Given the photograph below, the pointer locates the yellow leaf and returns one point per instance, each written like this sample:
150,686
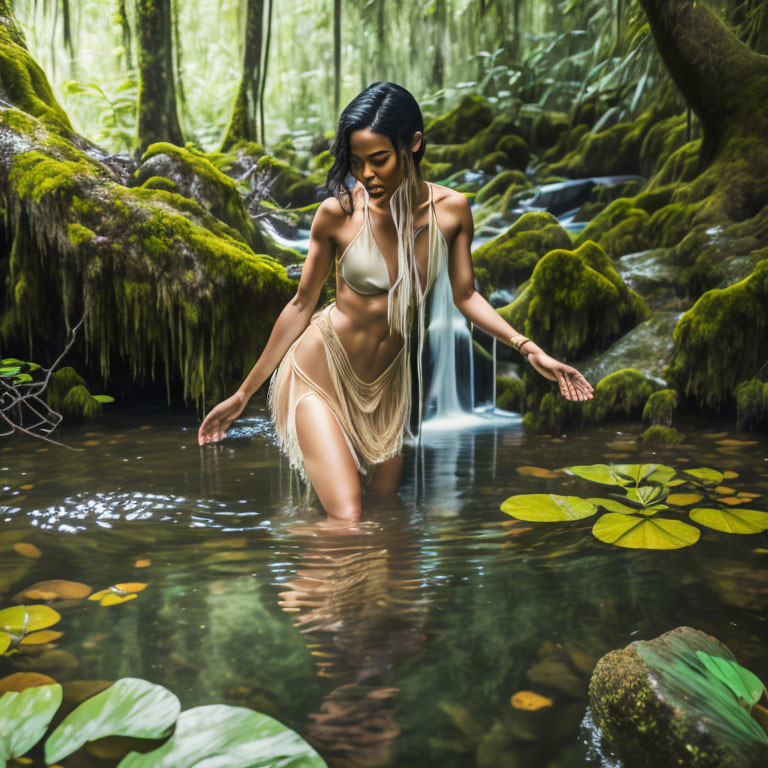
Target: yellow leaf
732,500
530,700
27,550
736,442
131,587
20,681
100,594
729,474
143,563
537,472
724,489
39,638
682,499
27,487
61,588
113,599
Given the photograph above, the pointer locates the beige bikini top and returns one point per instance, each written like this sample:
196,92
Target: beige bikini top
362,265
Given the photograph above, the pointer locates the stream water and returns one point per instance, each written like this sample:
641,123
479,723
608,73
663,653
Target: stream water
398,645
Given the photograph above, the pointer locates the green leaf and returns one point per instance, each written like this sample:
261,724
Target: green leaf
24,716
23,619
731,520
221,736
547,507
597,473
104,398
747,687
614,506
22,377
639,472
5,641
9,370
11,361
130,707
647,494
707,476
644,532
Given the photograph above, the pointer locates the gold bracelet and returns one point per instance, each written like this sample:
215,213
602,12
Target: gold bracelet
518,341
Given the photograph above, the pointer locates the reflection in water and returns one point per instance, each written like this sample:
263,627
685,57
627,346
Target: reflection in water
359,603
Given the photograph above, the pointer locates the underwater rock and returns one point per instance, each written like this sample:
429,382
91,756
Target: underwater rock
470,115
67,393
658,705
511,257
722,340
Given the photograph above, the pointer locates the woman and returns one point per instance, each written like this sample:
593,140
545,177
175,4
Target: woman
341,396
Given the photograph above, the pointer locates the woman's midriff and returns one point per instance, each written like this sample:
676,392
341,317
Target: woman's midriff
360,322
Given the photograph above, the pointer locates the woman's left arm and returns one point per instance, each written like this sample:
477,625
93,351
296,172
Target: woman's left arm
573,386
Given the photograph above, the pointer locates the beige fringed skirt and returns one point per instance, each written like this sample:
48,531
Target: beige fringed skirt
373,416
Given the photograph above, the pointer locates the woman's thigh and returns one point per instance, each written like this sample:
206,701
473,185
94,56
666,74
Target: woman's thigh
327,459
386,476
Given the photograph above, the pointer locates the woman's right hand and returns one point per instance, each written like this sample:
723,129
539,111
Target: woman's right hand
220,417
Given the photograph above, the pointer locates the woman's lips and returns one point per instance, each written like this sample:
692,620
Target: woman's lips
375,189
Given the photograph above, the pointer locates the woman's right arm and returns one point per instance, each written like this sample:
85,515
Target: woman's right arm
290,324
297,313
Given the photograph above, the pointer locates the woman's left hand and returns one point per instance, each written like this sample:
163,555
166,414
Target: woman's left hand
573,386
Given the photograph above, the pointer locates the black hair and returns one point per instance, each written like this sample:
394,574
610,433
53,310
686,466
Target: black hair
383,107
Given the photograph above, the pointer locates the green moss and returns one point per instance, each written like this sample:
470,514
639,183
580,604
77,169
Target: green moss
492,162
660,406
516,150
470,115
434,171
160,182
511,257
509,393
77,234
722,340
322,162
752,404
80,405
661,434
60,383
500,183
620,394
288,185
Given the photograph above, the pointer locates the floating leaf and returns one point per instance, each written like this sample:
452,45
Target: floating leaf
104,398
597,473
5,642
112,599
547,507
732,443
119,593
730,474
707,476
725,490
732,501
26,549
537,472
40,638
530,700
130,707
234,737
144,562
613,506
25,716
746,686
20,681
684,499
646,494
23,619
731,520
644,533
131,587
57,588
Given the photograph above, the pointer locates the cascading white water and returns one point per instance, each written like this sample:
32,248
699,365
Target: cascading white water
450,399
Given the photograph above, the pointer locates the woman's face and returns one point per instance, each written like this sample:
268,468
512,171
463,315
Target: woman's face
374,162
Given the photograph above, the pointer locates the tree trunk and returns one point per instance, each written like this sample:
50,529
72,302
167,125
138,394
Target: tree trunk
263,85
336,56
723,81
158,120
125,28
243,125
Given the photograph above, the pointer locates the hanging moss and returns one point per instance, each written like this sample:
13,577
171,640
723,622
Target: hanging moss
287,185
78,234
660,406
620,394
722,340
61,381
80,405
661,434
511,257
470,115
752,404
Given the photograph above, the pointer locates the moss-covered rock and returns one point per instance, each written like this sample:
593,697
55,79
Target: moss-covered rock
60,383
493,162
656,706
660,407
322,163
80,405
620,394
511,257
509,393
657,433
577,303
722,340
500,183
752,404
470,115
541,128
516,150
287,185
161,182
434,171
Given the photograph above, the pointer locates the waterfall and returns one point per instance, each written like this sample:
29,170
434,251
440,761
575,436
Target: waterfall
449,401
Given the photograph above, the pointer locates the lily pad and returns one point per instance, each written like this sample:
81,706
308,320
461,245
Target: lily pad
612,505
647,494
53,590
598,473
20,681
130,707
644,532
684,499
706,475
547,507
731,520
23,619
221,736
25,716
